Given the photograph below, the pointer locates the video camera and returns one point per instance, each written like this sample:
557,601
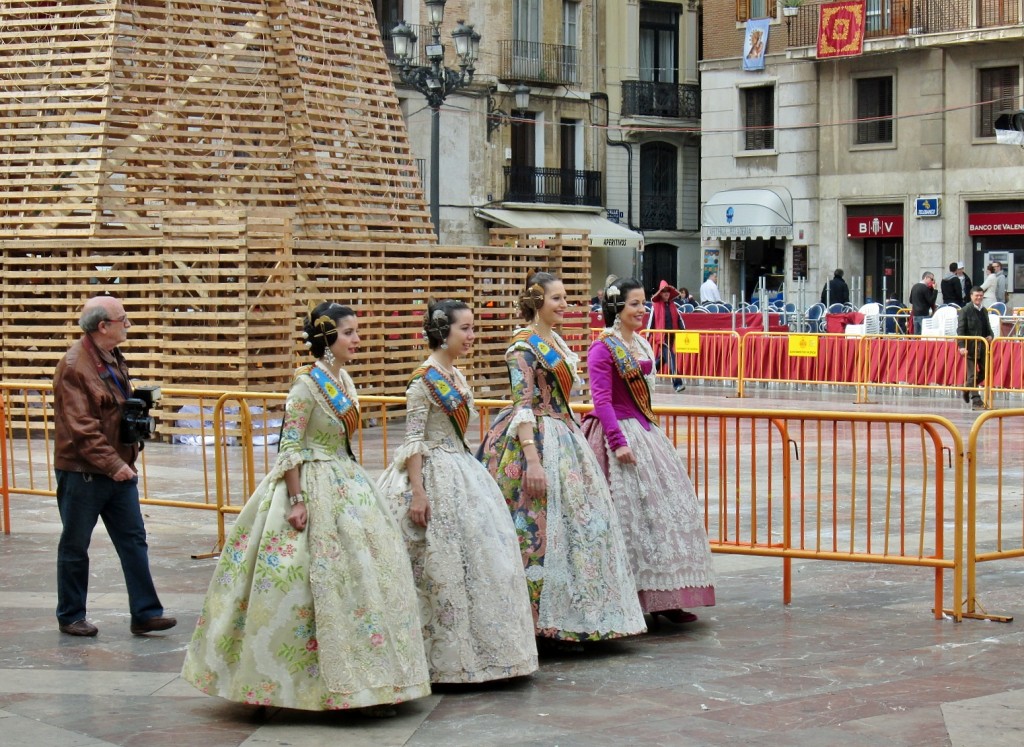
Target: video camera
136,422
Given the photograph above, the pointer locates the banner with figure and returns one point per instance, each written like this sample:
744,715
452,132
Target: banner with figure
841,29
755,43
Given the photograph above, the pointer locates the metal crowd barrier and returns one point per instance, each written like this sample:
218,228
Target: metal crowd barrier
995,511
862,362
835,486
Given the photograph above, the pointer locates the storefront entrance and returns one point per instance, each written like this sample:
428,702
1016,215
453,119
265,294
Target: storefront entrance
883,270
762,258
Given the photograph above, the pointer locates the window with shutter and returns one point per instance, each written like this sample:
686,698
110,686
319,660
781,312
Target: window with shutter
759,118
998,89
874,103
747,9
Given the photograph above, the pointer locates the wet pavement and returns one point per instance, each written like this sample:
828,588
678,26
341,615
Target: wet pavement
857,658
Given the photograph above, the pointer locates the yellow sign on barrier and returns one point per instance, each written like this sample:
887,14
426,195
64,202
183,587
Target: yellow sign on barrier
803,346
687,342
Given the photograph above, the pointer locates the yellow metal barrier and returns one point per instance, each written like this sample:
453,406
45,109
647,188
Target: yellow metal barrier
833,486
790,484
5,495
993,501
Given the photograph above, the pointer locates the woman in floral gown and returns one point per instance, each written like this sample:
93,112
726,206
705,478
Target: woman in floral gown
312,605
658,509
577,568
474,607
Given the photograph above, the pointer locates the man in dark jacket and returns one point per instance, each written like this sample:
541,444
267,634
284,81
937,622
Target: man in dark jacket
973,321
956,286
96,475
836,291
922,300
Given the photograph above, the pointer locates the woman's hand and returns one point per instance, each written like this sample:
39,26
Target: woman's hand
297,516
419,509
535,482
625,455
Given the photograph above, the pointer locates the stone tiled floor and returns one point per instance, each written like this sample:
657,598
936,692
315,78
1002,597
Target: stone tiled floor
856,659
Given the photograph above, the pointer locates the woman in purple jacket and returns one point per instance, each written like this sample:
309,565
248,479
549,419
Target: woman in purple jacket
658,509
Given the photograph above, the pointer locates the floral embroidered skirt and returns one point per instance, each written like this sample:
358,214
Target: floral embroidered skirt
323,619
577,568
475,612
661,519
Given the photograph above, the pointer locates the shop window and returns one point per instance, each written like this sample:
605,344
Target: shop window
874,103
997,92
758,118
746,9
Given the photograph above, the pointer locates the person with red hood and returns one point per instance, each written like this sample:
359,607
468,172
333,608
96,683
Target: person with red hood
665,315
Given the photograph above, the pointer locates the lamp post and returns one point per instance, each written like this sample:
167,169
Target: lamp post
435,81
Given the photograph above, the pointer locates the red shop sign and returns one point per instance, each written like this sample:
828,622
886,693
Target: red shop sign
981,224
874,227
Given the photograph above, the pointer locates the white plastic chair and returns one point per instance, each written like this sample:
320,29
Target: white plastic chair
996,322
932,327
945,317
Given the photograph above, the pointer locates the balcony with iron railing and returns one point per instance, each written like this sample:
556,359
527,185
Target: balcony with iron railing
545,186
648,98
538,64
888,18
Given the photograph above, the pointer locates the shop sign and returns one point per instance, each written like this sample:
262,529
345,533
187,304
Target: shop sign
989,224
874,227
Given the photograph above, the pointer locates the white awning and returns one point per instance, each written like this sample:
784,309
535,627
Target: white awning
748,214
603,232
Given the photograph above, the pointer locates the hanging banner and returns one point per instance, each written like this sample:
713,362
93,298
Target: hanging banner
840,29
755,43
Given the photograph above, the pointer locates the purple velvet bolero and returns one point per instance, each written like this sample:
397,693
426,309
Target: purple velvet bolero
612,401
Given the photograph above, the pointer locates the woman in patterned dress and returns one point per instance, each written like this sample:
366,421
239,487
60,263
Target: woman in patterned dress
474,608
577,567
312,605
658,509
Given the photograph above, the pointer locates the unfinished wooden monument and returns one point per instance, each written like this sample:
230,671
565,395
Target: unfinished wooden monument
219,164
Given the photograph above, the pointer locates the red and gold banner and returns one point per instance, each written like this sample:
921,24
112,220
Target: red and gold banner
841,29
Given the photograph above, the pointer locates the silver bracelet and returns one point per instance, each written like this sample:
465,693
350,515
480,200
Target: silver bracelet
297,498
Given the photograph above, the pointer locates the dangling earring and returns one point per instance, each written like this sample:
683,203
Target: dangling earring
617,324
329,358
444,346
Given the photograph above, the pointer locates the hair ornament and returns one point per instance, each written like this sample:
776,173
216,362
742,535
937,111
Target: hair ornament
612,292
439,323
533,298
305,335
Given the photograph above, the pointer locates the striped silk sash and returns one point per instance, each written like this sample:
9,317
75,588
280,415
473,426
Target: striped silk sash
446,395
550,359
343,408
631,373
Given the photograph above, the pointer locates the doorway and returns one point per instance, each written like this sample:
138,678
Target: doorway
883,270
660,263
763,258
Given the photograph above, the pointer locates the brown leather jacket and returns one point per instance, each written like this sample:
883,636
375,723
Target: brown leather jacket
87,411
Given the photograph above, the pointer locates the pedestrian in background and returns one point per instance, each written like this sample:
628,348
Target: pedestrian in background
836,290
665,320
923,296
96,473
973,321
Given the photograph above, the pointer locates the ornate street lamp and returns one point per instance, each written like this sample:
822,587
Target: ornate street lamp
435,81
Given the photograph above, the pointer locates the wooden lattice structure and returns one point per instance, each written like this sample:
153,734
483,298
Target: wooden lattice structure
218,164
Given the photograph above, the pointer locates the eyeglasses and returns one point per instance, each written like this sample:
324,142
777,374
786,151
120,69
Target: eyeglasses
120,320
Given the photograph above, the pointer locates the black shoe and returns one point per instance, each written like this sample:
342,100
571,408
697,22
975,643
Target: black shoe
978,405
680,386
967,396
80,628
153,625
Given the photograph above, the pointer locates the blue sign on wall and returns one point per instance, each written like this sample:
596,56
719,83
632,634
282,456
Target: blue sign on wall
928,207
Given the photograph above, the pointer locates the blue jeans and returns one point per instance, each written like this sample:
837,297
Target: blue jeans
83,498
667,358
